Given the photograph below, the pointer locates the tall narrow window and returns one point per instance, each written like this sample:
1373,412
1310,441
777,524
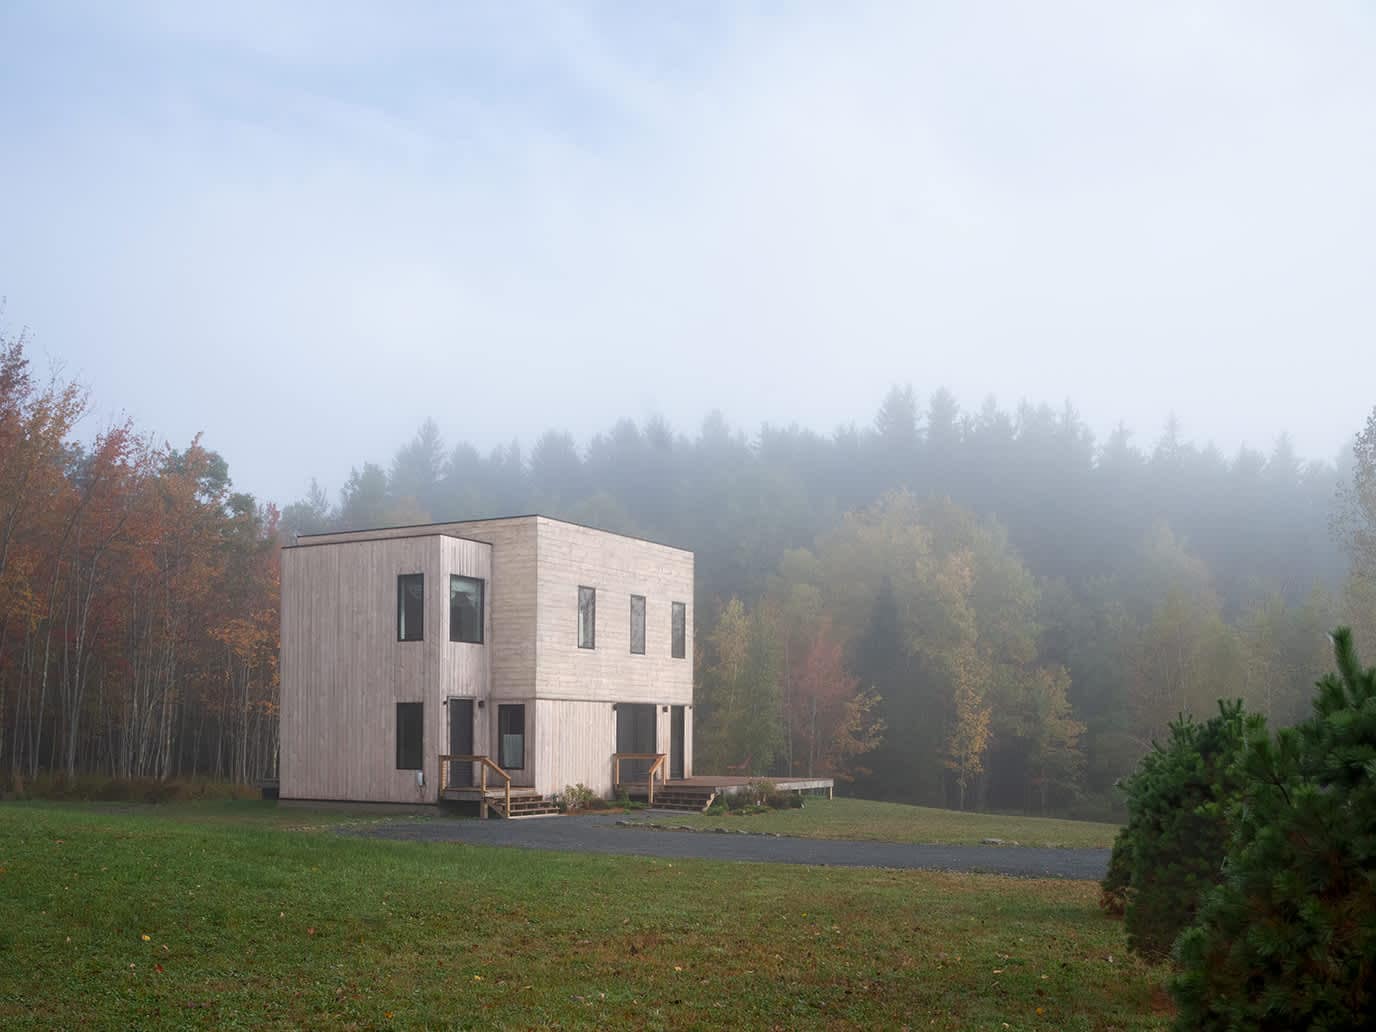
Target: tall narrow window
511,737
410,735
411,607
678,630
465,609
638,625
587,618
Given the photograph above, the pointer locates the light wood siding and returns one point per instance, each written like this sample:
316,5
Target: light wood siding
618,567
511,591
574,744
343,670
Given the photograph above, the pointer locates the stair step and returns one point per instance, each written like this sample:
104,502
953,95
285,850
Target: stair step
526,805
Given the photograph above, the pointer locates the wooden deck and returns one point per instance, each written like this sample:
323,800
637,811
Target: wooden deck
728,783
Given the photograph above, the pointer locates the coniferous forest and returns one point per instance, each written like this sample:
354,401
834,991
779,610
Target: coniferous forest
979,609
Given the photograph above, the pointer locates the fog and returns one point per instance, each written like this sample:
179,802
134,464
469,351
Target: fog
302,230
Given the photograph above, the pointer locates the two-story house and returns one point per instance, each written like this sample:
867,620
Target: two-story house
537,650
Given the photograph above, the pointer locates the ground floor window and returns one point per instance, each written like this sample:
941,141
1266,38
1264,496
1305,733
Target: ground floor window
511,737
410,735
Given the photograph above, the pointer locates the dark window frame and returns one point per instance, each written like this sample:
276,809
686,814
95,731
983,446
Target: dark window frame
502,710
591,641
678,630
402,579
482,608
638,651
408,750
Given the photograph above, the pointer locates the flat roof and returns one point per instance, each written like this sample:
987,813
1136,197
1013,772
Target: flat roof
484,519
399,537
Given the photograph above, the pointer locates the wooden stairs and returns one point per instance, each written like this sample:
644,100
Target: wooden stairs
522,806
683,798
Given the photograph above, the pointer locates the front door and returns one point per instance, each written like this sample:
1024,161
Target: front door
461,740
676,742
635,733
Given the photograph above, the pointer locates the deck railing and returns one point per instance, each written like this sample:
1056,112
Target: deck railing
660,759
484,765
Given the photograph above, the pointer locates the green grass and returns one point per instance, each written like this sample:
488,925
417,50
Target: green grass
895,822
225,917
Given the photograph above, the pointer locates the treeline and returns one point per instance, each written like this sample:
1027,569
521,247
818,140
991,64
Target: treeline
987,608
138,599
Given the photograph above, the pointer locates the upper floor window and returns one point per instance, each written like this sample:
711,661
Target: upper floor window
465,609
410,735
638,625
678,630
587,618
411,607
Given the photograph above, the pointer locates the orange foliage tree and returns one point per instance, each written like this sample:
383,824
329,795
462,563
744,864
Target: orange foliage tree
138,599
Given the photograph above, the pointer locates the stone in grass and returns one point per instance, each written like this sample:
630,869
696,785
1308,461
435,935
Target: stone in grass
997,842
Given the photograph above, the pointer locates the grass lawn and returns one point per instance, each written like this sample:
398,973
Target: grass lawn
895,822
233,916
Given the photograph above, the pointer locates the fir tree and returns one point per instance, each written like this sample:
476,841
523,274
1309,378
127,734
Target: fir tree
1288,941
1171,851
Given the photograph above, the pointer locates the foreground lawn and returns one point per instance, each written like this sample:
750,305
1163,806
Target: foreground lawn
895,822
165,919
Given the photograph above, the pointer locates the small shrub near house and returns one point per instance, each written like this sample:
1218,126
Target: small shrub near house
1288,940
1171,851
759,796
579,797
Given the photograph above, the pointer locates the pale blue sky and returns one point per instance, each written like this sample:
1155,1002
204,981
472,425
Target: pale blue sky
301,228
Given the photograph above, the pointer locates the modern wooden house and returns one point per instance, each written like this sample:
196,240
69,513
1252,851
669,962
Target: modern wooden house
496,660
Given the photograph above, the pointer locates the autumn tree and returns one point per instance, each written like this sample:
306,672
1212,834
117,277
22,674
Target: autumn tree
1055,761
969,730
822,694
740,708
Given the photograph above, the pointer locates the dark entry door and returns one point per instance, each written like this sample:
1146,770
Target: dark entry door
461,740
676,742
635,733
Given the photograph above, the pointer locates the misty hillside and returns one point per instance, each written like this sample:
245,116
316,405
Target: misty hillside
1149,579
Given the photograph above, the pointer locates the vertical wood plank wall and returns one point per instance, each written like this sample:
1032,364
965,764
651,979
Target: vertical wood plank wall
343,670
511,589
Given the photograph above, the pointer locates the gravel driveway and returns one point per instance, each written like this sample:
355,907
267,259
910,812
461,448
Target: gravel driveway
601,834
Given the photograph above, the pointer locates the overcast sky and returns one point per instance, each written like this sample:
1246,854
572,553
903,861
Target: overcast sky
302,228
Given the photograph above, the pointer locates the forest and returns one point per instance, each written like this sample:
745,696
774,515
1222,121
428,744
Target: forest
138,599
978,609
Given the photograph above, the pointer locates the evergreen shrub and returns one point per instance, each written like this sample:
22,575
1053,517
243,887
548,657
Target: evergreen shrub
1288,940
1171,851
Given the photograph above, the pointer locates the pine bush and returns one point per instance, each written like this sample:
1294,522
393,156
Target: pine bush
1171,851
1288,940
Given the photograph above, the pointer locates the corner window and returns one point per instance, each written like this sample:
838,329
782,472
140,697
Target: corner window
511,737
638,625
466,609
678,630
411,607
587,618
410,735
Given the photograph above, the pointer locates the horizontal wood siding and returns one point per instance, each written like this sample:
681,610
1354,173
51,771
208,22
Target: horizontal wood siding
343,670
618,567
